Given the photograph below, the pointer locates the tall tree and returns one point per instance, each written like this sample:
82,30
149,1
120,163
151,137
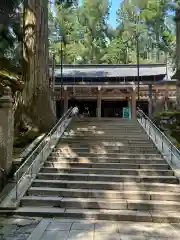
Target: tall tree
65,33
37,93
93,18
177,54
83,31
145,22
150,22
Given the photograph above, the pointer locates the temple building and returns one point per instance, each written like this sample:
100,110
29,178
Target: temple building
108,89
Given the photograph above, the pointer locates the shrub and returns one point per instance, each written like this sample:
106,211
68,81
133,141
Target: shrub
170,114
172,126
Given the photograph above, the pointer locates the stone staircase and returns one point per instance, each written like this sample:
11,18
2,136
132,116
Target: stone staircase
105,169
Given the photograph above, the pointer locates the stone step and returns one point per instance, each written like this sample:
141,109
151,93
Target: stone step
105,126
127,186
91,127
103,214
66,164
104,194
122,155
109,140
105,129
104,145
95,146
98,132
101,133
104,142
105,120
106,123
95,127
128,155
123,150
104,149
104,171
105,132
99,203
109,125
113,125
118,153
102,177
111,137
63,158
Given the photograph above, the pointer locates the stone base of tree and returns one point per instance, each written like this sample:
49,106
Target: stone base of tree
41,110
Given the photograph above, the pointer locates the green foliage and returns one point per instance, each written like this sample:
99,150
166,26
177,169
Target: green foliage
83,31
176,134
152,26
11,35
170,114
172,124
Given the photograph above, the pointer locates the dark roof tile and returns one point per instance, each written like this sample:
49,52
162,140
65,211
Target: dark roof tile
98,71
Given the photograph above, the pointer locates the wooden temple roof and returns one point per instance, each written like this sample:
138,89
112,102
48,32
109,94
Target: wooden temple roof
109,70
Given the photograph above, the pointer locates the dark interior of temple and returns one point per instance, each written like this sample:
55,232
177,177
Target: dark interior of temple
113,108
109,108
82,104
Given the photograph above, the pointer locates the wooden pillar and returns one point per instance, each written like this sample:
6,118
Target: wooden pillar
65,99
150,103
133,102
98,110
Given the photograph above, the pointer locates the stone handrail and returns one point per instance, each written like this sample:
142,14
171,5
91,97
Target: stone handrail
163,144
29,169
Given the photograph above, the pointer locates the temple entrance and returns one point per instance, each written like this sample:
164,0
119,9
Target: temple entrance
81,104
110,108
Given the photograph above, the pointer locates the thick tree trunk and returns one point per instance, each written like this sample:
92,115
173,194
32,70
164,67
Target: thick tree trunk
37,92
177,74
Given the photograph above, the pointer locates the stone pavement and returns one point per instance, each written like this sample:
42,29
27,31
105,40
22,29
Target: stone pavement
18,228
105,230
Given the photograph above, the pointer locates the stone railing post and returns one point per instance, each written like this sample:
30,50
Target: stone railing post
6,130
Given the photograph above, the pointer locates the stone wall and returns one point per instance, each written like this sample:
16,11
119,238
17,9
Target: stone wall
6,133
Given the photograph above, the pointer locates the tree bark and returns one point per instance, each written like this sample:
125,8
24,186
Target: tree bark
177,73
37,92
